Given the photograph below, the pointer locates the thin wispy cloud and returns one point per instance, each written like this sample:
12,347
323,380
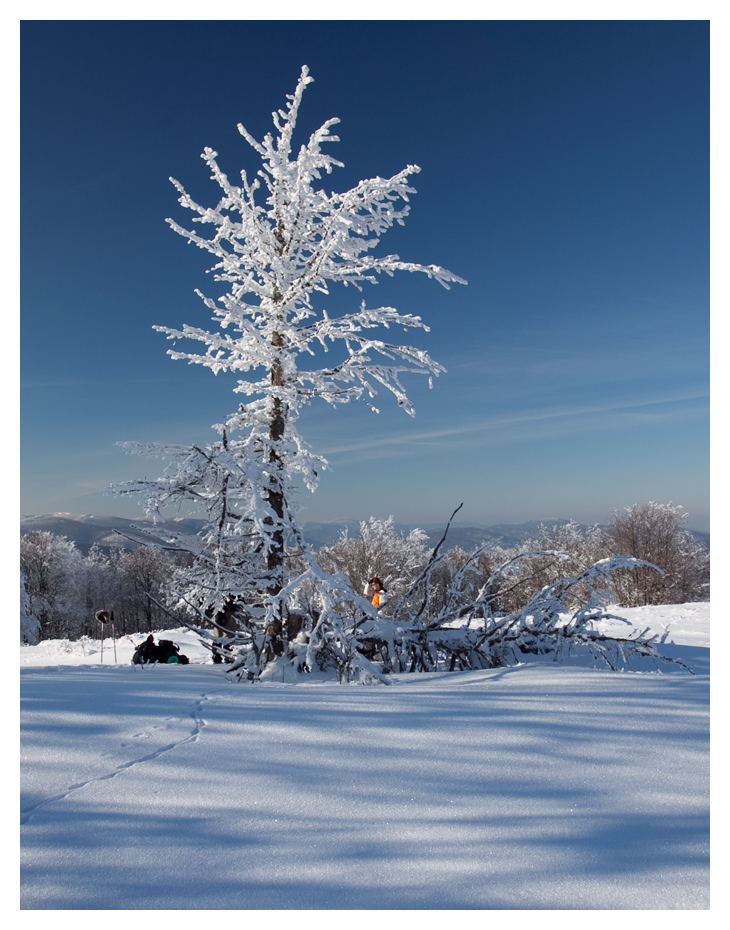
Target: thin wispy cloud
475,427
101,381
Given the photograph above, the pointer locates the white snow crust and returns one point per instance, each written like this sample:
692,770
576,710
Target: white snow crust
544,786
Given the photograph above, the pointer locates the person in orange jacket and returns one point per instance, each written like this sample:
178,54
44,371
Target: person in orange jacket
376,593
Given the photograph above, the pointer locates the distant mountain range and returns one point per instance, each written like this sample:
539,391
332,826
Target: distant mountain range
460,534
106,532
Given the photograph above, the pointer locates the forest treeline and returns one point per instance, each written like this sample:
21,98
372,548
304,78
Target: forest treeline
61,589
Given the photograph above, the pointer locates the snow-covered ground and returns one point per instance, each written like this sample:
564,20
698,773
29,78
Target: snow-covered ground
546,786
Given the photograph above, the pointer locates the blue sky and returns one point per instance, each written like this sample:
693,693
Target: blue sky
565,175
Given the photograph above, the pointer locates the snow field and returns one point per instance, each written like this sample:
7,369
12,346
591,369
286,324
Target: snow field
539,787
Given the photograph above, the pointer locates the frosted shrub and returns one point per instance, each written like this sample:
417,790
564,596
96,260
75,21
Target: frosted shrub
655,532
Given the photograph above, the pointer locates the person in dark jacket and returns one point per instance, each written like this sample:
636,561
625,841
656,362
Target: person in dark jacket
146,652
167,653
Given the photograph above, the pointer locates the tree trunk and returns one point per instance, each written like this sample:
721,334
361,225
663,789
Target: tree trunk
275,493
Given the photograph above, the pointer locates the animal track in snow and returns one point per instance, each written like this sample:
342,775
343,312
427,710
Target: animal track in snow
198,721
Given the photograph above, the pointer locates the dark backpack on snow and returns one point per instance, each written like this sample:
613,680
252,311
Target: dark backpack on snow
165,652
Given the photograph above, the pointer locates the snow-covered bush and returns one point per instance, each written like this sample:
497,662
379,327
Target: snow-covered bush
467,631
540,561
651,532
30,627
654,532
557,551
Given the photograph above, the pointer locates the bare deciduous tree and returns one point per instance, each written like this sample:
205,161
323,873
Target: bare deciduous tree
655,533
146,571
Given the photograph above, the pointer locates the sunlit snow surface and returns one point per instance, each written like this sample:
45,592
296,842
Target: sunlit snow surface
543,786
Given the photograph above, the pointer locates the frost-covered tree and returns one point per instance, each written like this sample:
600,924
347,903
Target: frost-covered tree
30,627
378,550
655,532
279,242
560,549
52,566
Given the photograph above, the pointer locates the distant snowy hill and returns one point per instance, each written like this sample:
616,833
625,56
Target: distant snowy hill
460,534
87,529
